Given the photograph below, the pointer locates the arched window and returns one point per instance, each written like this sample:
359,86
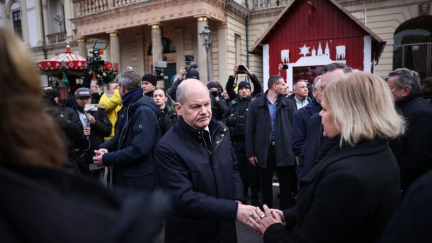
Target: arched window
413,45
167,47
15,11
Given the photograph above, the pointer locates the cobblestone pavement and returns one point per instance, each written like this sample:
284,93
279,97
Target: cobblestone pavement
245,234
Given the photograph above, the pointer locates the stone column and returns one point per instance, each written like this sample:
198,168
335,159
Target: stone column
180,60
68,12
202,54
82,47
115,50
224,69
156,35
24,23
3,13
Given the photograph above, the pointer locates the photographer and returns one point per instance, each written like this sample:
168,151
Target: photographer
217,103
241,69
190,73
96,126
179,76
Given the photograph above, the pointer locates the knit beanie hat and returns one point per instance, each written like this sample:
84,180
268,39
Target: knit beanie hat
150,78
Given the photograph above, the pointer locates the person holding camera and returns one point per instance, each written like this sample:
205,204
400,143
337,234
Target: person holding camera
242,69
217,103
186,73
96,126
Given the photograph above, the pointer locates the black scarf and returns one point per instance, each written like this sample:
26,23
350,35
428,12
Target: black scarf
131,96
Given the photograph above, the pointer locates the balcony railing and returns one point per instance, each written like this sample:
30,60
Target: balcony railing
92,6
265,4
56,38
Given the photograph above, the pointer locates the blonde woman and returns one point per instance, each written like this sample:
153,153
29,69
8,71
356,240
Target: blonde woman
355,188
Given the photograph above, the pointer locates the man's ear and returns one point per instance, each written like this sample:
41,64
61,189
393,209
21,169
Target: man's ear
178,108
407,91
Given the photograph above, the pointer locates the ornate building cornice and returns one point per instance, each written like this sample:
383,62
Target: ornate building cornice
269,12
236,9
146,13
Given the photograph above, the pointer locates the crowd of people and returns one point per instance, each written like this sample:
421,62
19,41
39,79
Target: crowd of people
352,157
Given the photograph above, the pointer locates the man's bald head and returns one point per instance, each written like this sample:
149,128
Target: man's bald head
187,85
193,103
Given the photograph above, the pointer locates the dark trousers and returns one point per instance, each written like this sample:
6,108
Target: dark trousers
287,181
248,173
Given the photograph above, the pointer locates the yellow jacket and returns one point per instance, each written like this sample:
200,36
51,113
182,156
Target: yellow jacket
112,106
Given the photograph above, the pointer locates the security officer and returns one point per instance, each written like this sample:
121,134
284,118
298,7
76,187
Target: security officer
235,119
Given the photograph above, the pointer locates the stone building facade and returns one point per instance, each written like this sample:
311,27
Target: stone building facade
142,32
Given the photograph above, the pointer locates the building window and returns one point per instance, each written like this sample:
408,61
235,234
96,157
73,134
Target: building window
413,46
17,22
167,47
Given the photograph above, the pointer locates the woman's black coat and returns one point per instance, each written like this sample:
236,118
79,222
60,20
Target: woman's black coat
347,197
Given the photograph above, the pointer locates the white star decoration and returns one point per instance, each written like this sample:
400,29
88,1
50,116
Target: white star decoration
304,50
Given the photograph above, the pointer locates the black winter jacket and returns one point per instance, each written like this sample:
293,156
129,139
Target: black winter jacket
413,150
258,131
167,119
131,150
349,196
47,205
70,131
235,118
203,184
100,129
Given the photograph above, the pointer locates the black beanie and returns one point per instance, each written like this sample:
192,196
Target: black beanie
150,78
212,84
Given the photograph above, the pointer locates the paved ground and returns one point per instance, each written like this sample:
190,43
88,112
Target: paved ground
245,234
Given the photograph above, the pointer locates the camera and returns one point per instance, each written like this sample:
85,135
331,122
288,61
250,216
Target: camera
241,69
189,64
285,66
159,69
95,62
214,92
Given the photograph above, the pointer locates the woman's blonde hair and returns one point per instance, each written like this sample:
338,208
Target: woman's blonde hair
363,108
27,133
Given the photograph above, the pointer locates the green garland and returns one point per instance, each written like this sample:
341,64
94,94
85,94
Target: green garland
78,74
69,72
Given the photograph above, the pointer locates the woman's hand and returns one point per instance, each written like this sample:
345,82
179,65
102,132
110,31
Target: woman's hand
262,220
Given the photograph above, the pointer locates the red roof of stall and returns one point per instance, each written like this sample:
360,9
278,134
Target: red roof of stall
330,22
70,60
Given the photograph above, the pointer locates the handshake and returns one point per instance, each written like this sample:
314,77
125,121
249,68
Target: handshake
257,219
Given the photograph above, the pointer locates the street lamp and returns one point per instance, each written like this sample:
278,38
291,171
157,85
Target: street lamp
206,37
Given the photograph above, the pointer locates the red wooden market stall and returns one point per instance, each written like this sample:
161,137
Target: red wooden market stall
310,34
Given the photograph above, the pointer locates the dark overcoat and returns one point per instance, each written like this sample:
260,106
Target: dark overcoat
349,196
412,220
202,183
300,121
259,132
413,150
40,204
131,150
